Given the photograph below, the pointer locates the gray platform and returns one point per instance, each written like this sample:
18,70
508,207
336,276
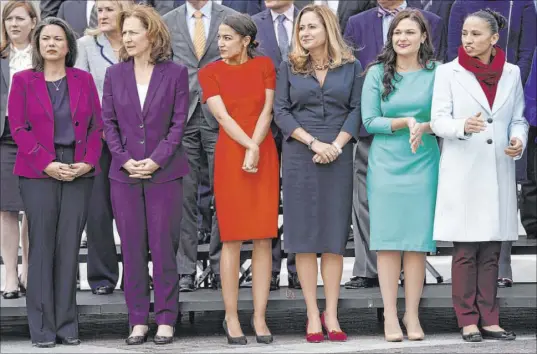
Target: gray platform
521,295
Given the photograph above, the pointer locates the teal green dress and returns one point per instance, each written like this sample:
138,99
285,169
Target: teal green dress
401,186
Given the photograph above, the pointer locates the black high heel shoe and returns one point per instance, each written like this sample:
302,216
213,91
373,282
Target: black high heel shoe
22,288
261,339
137,340
234,340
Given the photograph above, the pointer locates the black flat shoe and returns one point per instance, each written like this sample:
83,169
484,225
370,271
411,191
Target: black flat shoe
44,344
261,339
504,283
234,340
11,295
137,340
162,340
69,341
103,290
275,281
502,335
473,337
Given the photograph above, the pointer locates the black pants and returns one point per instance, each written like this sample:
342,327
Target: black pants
103,267
528,201
56,213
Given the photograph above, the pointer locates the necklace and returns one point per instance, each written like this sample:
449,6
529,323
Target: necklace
58,86
321,67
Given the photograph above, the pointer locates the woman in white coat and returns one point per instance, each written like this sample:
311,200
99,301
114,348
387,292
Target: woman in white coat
478,105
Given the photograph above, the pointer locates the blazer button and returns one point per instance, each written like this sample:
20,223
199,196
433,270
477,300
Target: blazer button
141,126
142,142
489,141
489,120
77,124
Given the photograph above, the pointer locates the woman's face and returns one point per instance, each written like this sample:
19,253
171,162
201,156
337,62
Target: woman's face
107,12
230,43
311,32
477,38
53,44
135,37
19,25
407,38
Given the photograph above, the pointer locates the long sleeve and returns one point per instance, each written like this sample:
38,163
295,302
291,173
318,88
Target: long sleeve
354,119
37,156
442,122
527,40
372,90
111,125
282,103
49,8
531,94
518,128
168,146
94,143
456,20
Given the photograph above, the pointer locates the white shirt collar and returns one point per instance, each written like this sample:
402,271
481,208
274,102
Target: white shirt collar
289,14
205,10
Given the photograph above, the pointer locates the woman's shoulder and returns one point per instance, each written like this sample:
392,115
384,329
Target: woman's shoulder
86,41
211,67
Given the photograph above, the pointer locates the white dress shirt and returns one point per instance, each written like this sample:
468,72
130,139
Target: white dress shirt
19,60
288,23
191,20
89,8
142,94
332,4
387,21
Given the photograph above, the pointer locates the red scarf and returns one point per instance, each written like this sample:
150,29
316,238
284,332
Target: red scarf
487,75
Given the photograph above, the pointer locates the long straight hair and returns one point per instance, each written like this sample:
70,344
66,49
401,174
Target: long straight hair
38,62
5,41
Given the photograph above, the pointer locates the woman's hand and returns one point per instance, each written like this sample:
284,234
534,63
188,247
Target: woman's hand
144,169
474,124
324,153
60,171
515,148
80,168
251,159
416,134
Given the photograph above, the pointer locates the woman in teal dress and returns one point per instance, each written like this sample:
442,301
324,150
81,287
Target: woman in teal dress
403,165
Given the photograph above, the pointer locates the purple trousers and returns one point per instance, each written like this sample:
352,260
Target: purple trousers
148,218
474,274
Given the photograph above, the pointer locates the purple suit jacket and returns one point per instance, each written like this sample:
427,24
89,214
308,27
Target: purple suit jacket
31,120
364,32
153,132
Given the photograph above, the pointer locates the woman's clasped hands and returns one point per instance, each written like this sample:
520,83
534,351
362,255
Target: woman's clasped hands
142,169
251,159
67,172
324,153
416,133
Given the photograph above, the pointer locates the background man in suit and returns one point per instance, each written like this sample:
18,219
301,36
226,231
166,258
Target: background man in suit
275,32
194,28
368,31
250,7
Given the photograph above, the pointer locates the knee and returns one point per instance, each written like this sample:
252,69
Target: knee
7,217
263,244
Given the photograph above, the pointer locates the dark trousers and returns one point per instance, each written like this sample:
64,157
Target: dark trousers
474,272
277,242
56,213
103,267
205,197
198,138
148,218
365,261
528,202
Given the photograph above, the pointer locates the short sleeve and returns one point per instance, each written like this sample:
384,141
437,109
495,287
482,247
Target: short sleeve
269,74
208,83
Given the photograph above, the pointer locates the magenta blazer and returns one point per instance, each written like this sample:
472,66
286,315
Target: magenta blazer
31,120
153,132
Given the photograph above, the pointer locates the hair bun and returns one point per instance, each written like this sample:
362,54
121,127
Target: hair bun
254,44
500,19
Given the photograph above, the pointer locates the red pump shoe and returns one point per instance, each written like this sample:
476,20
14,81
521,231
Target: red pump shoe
334,336
317,337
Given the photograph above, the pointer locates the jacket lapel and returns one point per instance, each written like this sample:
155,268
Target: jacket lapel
4,64
39,87
132,90
378,36
505,88
73,82
106,49
184,29
154,85
267,28
216,19
471,85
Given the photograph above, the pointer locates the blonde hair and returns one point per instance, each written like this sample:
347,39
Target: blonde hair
122,5
339,53
157,33
6,11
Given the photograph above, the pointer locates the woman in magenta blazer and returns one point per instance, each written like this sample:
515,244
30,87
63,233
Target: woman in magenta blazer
54,116
145,104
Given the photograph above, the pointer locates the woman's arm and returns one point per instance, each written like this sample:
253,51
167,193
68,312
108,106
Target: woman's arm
518,128
262,126
351,127
82,56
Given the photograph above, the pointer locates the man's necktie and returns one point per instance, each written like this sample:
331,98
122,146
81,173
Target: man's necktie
283,38
93,22
199,35
382,12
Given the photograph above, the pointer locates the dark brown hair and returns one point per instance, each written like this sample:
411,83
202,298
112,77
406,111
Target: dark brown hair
8,9
38,62
245,27
495,20
388,56
157,33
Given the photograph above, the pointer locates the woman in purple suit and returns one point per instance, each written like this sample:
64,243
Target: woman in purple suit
145,103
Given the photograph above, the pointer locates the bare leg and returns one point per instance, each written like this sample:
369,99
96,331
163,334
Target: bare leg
307,269
331,271
24,244
261,276
229,273
9,224
389,269
414,267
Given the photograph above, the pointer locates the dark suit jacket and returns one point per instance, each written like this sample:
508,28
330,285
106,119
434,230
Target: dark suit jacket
4,87
250,7
346,9
153,132
31,121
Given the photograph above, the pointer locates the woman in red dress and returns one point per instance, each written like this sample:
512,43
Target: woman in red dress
240,91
